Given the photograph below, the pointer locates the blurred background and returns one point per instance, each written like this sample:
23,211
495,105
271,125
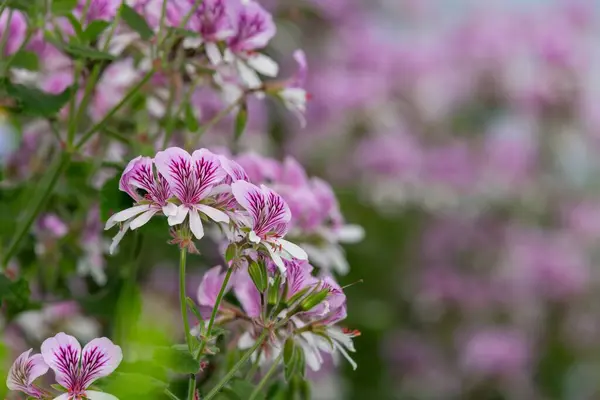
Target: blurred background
463,136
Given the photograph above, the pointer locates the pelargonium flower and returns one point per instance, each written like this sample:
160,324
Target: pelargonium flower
97,9
24,371
209,288
192,180
76,369
294,94
269,221
213,22
254,28
14,24
139,176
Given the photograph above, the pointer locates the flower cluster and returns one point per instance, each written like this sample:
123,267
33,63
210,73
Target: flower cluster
75,369
305,309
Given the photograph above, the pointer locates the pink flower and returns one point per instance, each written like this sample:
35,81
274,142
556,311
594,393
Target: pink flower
14,24
24,371
294,95
51,224
76,369
269,221
192,179
210,286
97,9
247,294
139,176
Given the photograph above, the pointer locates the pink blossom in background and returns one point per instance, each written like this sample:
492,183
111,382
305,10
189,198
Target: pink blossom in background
14,25
24,371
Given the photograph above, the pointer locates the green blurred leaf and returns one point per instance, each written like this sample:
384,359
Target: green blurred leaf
75,24
93,30
136,22
241,120
194,308
191,122
112,200
258,273
238,389
34,102
63,7
26,60
15,295
175,359
314,299
86,52
58,387
126,386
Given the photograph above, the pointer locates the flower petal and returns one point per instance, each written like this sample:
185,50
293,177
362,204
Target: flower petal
93,395
253,237
350,233
247,294
170,210
209,171
61,353
175,165
142,219
213,213
179,217
213,53
64,396
99,358
118,237
277,260
125,215
293,249
24,371
235,171
248,75
196,224
210,286
250,197
263,64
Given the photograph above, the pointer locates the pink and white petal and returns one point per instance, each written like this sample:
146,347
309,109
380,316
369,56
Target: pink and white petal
170,210
208,169
37,367
213,213
247,294
179,217
118,237
94,395
99,358
213,53
263,64
250,197
253,237
62,353
175,165
210,286
248,75
142,219
125,215
64,396
276,258
233,169
196,224
293,249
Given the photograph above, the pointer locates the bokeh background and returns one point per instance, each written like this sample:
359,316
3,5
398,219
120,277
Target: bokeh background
463,136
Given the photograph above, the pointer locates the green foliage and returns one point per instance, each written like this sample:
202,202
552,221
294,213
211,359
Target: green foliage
81,51
14,295
293,360
259,275
241,121
313,299
177,359
26,60
63,7
237,389
136,22
34,102
112,199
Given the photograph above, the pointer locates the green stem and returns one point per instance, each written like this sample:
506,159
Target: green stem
182,296
192,387
214,312
267,376
254,366
37,205
132,92
237,366
170,395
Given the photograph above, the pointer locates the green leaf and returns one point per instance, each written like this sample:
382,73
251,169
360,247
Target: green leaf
313,299
194,308
258,273
34,102
231,252
81,51
136,22
58,387
75,24
63,7
288,351
238,389
132,385
93,30
112,200
273,292
26,60
298,295
22,5
177,360
241,120
182,32
15,295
